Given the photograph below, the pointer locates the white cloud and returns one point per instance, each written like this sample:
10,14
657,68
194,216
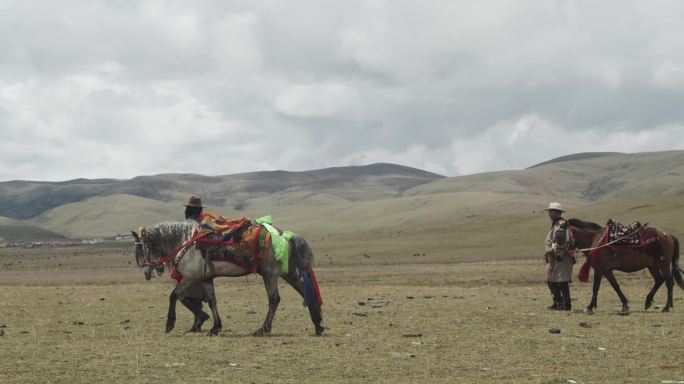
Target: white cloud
116,89
317,100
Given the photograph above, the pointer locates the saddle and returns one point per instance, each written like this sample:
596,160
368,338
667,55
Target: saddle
238,241
625,235
632,236
244,242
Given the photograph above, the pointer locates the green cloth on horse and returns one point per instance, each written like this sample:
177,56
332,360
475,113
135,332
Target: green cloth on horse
280,242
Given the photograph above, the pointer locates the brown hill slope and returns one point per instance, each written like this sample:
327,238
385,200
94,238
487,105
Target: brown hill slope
378,215
28,199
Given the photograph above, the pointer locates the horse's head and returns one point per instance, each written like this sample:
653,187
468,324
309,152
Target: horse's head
142,254
562,238
155,244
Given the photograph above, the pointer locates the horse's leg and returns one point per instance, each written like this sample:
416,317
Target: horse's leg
658,281
669,283
314,310
208,286
173,298
195,306
594,293
613,282
271,284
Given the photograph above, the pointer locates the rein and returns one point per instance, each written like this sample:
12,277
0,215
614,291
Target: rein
607,244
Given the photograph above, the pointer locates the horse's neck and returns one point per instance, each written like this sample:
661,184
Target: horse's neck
584,238
171,237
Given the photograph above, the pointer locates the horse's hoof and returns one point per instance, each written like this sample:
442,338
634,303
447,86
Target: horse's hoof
588,311
213,332
261,332
197,327
648,305
169,326
624,312
666,310
319,330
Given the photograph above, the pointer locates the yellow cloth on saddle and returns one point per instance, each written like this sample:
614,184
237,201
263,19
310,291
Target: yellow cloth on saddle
222,224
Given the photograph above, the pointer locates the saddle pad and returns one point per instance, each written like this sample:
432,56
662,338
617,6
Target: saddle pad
623,234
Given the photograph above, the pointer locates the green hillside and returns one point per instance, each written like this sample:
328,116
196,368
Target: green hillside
379,212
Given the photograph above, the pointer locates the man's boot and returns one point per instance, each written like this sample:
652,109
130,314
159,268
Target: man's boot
565,293
557,298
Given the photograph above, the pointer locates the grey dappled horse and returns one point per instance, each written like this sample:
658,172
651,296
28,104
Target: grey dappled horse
164,239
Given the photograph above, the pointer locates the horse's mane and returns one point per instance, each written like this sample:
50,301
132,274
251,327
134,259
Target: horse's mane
584,224
169,234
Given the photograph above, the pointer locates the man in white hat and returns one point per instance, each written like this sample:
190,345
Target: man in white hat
559,273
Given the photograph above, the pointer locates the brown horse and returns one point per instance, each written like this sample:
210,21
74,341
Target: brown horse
661,260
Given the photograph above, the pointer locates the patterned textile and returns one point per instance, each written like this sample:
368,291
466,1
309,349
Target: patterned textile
634,235
244,241
639,237
623,234
219,223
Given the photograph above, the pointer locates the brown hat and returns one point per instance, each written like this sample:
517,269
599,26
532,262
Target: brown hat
194,202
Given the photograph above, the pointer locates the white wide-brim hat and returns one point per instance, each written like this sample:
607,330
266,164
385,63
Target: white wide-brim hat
554,206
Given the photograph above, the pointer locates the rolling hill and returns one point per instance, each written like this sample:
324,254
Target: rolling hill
29,199
373,213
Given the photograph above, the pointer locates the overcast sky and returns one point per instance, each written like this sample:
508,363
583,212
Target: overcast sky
124,88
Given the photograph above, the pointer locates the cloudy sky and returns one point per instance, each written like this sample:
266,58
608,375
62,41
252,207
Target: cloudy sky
124,88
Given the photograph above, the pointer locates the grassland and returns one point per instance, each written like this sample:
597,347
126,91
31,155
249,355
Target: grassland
86,315
440,282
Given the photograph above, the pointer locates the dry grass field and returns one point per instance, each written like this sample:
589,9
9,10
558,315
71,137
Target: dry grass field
85,315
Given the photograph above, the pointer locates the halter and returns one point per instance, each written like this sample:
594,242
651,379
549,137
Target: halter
147,258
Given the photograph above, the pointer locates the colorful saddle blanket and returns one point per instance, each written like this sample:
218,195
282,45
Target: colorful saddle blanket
244,242
623,234
635,235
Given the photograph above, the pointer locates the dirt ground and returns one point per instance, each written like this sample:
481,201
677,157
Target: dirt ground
94,319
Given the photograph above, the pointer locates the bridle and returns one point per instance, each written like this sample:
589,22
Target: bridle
142,245
569,243
142,253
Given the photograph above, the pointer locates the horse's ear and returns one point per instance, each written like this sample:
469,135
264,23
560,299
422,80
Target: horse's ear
135,236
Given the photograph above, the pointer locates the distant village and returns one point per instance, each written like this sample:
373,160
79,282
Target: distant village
63,242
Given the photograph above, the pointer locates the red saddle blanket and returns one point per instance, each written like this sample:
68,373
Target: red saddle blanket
620,237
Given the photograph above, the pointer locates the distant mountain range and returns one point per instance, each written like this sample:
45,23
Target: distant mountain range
28,199
373,192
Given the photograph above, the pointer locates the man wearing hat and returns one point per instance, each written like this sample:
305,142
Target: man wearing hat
560,262
210,220
193,209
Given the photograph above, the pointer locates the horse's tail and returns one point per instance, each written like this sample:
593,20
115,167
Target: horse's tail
676,270
303,259
301,252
